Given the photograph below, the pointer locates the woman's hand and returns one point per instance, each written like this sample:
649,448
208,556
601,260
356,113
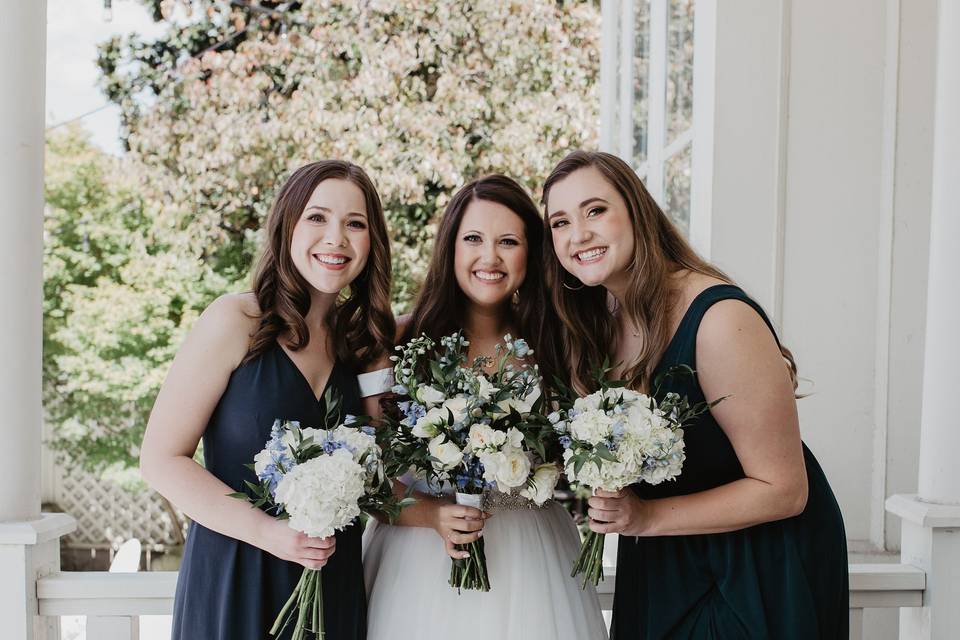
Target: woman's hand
277,538
618,512
458,524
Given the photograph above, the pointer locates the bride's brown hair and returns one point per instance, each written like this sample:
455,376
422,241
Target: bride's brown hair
588,328
361,321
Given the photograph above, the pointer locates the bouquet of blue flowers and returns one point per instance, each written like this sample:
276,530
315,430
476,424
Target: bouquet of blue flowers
321,479
615,437
477,426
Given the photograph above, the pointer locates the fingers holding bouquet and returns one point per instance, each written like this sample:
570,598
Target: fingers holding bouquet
295,546
616,512
459,525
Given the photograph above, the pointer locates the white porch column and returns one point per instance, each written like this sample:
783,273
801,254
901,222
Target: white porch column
28,539
23,47
931,520
739,117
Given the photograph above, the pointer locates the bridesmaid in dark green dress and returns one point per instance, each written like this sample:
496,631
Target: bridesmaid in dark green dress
250,359
748,542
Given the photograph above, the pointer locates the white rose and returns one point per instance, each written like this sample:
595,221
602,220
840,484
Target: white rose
491,461
485,437
448,454
541,486
514,470
520,405
514,437
429,396
456,406
532,396
487,389
427,426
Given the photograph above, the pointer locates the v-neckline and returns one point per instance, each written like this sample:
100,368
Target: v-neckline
303,378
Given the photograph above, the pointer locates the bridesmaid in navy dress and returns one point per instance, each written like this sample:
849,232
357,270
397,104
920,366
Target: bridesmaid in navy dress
250,359
749,541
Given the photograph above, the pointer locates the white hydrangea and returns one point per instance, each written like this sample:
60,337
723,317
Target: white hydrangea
592,426
357,441
321,495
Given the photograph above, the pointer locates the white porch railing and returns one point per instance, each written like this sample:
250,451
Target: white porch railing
113,602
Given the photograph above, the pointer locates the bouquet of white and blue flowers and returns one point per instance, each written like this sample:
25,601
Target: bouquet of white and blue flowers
321,480
615,437
477,426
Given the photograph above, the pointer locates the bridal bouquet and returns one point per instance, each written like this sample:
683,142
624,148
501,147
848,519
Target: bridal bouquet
616,437
474,425
320,479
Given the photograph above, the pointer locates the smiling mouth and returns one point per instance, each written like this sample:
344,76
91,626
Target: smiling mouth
590,255
331,260
490,277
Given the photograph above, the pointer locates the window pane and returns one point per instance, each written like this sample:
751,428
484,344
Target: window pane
677,188
641,62
679,68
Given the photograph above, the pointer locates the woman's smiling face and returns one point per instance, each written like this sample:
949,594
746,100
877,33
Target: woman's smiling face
331,240
490,253
591,228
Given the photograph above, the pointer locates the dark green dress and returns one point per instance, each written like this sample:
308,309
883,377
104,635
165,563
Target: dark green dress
781,580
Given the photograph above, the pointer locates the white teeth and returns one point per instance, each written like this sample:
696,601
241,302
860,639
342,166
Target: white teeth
331,259
489,276
593,253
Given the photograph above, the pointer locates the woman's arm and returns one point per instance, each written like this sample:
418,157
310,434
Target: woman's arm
194,384
738,357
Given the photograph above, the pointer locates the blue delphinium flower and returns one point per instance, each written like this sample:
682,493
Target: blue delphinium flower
520,348
412,412
565,442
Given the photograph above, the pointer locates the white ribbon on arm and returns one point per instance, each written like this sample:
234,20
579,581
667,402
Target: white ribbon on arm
375,382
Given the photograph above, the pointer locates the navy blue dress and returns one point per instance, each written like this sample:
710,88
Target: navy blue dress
785,579
228,589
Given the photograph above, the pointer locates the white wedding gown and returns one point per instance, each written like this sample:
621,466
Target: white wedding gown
530,553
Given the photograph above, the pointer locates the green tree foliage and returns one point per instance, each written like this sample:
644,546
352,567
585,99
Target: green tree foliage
219,110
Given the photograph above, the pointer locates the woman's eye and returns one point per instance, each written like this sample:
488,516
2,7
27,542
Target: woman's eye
471,238
558,223
510,242
316,217
595,211
356,224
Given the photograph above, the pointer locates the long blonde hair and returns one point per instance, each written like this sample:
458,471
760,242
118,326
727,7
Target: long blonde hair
589,329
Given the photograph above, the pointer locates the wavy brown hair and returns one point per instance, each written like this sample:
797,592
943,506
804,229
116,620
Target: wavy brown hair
438,310
361,321
589,329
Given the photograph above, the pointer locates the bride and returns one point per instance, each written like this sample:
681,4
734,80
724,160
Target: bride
484,278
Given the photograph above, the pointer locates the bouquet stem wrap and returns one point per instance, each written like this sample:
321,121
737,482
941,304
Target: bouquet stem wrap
470,573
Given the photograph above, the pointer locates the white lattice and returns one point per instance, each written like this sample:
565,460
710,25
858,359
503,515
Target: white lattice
107,514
